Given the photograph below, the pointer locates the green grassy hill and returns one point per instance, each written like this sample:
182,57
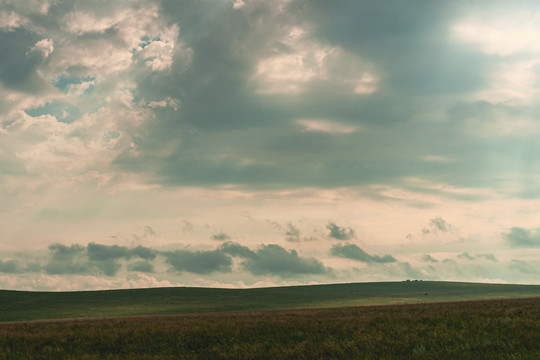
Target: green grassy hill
23,305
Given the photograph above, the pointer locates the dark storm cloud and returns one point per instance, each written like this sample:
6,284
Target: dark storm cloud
522,238
198,262
18,71
274,260
338,232
353,252
225,116
228,132
408,40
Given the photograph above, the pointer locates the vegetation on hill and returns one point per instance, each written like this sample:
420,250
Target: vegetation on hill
20,305
492,329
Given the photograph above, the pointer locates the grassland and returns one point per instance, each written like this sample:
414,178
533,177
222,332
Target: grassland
488,329
23,306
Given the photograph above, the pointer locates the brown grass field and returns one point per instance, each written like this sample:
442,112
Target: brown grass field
486,329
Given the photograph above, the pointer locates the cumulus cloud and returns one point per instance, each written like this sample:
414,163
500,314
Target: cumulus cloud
198,262
522,238
44,46
67,260
105,257
353,252
10,266
98,259
338,232
10,20
489,257
274,260
98,252
92,259
141,266
235,249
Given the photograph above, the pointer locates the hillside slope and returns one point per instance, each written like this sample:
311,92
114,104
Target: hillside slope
23,305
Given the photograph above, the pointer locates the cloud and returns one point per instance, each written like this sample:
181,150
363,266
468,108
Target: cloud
67,260
92,259
142,252
353,252
523,267
429,258
274,260
466,256
339,233
10,267
438,224
45,46
148,231
235,249
221,236
292,233
198,262
10,21
490,257
19,70
141,266
98,252
522,238
97,259
187,227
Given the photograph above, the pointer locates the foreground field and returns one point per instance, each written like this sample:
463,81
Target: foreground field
492,329
20,305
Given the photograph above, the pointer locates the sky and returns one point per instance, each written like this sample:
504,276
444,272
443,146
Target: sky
237,143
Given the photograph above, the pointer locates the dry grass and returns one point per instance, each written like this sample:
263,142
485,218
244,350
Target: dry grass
494,329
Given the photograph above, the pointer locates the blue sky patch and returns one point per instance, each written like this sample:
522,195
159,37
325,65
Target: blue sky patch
63,112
